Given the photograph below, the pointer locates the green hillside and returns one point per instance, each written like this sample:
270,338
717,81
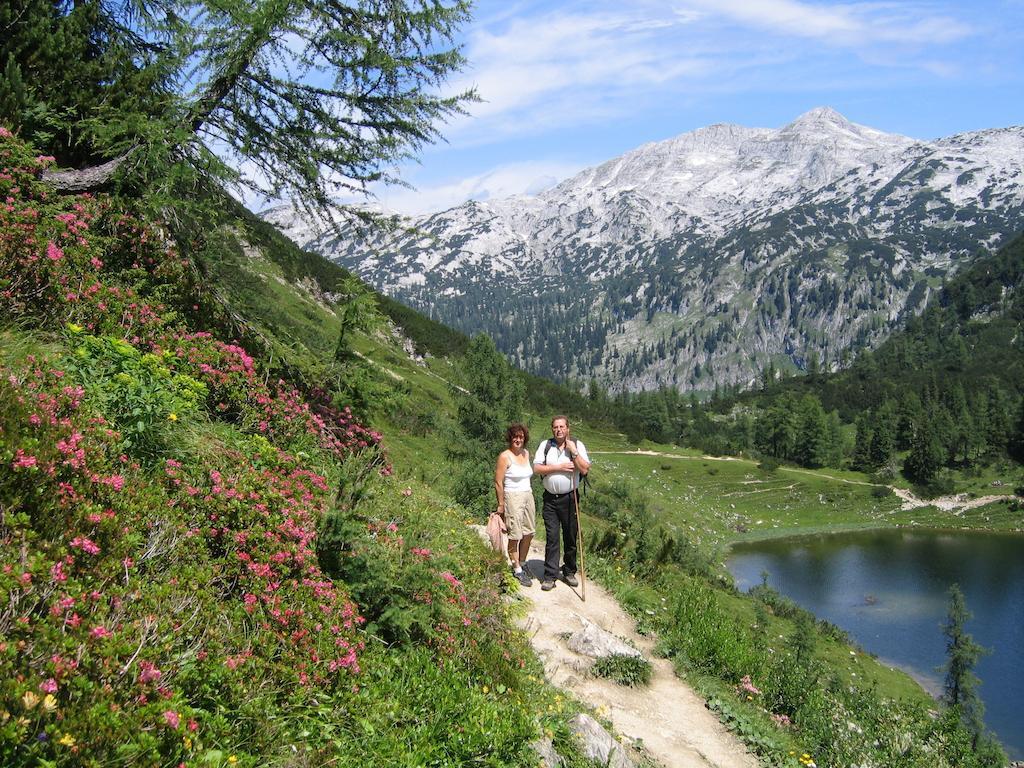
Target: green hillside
207,556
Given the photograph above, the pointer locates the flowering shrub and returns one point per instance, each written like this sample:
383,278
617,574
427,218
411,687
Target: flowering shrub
129,603
402,569
147,593
82,262
160,559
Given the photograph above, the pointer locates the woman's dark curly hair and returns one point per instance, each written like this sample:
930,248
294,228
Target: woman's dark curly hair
514,429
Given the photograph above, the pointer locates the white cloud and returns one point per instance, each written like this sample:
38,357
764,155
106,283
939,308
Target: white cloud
540,62
583,62
531,177
843,24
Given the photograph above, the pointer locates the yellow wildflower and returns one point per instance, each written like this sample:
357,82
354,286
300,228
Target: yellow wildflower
172,416
486,689
49,703
67,740
232,759
29,700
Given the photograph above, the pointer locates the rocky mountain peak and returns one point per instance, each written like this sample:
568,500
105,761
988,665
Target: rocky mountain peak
696,260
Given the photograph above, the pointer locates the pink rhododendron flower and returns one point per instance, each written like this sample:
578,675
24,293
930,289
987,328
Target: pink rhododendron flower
85,544
172,719
450,578
148,673
53,253
23,461
48,686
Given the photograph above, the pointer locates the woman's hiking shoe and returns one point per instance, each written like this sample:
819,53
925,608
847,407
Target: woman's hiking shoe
547,584
570,579
524,578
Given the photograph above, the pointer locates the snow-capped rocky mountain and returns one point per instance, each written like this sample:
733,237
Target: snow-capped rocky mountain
699,259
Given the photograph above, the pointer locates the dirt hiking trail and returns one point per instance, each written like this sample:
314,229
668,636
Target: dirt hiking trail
667,720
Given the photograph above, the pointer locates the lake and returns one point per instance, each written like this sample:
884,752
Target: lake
888,590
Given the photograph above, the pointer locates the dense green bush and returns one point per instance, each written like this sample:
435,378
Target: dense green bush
136,391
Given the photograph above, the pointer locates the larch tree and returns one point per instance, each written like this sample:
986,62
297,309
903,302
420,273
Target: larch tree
284,99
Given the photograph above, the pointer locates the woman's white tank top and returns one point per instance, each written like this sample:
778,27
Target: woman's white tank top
517,476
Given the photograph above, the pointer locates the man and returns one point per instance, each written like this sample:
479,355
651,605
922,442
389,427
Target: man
560,461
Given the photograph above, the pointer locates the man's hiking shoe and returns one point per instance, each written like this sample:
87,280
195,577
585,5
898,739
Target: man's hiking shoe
547,585
570,579
524,578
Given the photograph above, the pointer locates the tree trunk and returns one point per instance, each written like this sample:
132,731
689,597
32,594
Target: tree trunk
74,181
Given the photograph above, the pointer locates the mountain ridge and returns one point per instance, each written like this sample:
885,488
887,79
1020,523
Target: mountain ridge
813,239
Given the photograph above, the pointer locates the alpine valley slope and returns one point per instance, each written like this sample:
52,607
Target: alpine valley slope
699,260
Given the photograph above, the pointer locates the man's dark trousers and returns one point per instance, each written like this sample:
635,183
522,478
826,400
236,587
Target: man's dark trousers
559,513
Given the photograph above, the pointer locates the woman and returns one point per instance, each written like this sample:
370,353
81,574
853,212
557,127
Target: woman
515,498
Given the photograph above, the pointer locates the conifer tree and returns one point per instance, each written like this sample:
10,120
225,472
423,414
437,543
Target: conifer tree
927,454
812,433
776,428
908,413
67,63
1016,443
999,418
834,449
883,436
357,311
955,401
862,445
491,396
960,688
300,99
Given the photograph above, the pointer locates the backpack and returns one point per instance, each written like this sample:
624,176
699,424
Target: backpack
584,479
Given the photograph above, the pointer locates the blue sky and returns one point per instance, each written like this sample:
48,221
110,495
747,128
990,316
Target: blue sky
566,85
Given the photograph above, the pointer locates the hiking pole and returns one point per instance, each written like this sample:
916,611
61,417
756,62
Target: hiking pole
579,544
